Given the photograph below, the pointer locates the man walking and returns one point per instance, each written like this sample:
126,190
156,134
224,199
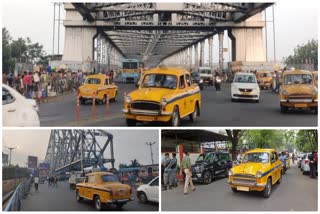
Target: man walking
166,171
186,166
173,171
312,165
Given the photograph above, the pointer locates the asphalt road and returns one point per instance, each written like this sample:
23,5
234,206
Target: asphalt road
217,110
296,192
63,199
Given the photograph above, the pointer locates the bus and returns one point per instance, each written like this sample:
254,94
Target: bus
130,70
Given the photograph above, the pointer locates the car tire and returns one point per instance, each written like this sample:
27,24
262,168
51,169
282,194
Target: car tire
142,197
120,205
82,101
97,203
207,177
233,100
104,100
304,172
283,109
131,122
234,189
280,179
114,99
175,118
315,110
267,190
226,172
78,197
193,116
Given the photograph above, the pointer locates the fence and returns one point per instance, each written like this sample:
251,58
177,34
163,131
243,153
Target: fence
19,194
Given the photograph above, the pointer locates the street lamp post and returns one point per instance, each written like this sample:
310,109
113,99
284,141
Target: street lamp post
10,153
151,144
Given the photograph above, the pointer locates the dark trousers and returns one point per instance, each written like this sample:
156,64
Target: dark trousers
313,170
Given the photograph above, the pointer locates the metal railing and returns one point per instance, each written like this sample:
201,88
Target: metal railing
19,194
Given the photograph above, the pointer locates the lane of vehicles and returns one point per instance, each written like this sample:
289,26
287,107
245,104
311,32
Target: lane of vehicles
298,91
163,95
103,188
17,110
149,192
100,86
245,87
258,171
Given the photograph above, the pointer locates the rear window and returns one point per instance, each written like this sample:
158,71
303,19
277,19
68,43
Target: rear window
92,81
109,178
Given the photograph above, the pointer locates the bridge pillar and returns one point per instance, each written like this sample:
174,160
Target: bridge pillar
210,40
190,56
196,56
220,36
201,53
78,44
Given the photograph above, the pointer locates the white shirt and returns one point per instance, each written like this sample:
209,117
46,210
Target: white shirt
36,180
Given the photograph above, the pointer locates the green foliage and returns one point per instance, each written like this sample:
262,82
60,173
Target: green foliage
307,140
264,138
134,163
304,52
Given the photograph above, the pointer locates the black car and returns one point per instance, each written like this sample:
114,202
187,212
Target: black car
197,79
211,165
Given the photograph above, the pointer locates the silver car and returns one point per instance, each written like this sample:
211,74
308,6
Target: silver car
305,168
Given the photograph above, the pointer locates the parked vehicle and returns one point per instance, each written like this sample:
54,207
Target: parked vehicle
245,87
206,75
258,171
161,96
74,178
18,111
149,192
299,159
305,167
103,188
210,165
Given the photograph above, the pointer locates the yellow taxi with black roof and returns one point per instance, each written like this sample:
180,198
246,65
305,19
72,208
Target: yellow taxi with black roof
163,94
258,171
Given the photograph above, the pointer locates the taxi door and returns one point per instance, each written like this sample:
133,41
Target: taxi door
190,99
111,88
182,102
274,164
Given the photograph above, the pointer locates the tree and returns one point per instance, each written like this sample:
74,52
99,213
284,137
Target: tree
307,140
234,137
7,60
135,163
264,138
302,53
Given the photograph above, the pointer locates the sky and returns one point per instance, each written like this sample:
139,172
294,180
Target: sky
128,145
295,23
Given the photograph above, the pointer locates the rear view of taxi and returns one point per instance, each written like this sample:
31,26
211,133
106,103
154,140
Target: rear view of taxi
298,90
245,87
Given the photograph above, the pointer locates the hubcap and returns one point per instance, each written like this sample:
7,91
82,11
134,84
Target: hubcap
98,204
175,119
269,188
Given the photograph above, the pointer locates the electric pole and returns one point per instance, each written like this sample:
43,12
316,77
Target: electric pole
151,144
10,153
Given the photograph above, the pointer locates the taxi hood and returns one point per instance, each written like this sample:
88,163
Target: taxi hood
250,168
299,89
150,94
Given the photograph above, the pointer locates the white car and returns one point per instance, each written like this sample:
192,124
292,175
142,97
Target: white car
149,192
17,110
305,168
245,87
206,75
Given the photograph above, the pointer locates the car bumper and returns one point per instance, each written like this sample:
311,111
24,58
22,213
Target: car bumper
197,176
120,201
251,187
251,96
146,115
299,103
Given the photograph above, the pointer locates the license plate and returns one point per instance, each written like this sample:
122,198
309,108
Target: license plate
243,189
246,93
145,118
301,105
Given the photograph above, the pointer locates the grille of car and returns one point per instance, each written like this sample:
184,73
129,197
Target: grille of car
143,105
300,96
244,181
245,90
247,96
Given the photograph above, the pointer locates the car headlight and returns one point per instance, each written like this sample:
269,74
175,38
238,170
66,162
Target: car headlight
284,92
314,92
259,174
127,99
163,102
230,173
201,81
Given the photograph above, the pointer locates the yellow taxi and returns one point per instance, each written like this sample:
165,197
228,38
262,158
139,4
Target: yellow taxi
264,79
98,85
315,78
258,171
298,90
103,188
165,95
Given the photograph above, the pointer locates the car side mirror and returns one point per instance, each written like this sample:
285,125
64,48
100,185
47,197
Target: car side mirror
137,85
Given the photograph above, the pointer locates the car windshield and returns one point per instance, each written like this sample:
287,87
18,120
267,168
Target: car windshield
265,75
159,81
194,75
243,78
109,178
205,157
92,81
205,71
258,157
297,79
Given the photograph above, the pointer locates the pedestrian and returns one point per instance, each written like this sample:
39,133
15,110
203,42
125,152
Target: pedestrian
166,171
4,79
312,165
132,180
173,171
10,79
292,157
36,182
186,166
55,181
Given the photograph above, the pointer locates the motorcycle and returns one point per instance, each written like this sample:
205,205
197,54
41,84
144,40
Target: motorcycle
217,83
284,167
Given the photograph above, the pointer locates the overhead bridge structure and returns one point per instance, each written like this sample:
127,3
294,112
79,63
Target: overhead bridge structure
162,33
73,150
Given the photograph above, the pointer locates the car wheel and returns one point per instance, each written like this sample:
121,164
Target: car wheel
114,99
104,100
315,110
142,197
304,172
175,118
233,100
131,122
280,179
193,116
257,101
226,172
78,197
120,205
207,177
97,203
234,189
82,101
267,189
283,109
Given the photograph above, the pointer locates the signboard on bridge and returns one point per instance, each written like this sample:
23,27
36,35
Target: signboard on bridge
44,165
32,162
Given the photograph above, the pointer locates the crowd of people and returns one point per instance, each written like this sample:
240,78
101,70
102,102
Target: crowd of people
169,171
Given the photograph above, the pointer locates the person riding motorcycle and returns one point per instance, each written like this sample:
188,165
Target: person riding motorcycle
283,159
217,82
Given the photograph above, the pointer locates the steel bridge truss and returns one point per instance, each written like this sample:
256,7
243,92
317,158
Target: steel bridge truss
73,150
152,32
